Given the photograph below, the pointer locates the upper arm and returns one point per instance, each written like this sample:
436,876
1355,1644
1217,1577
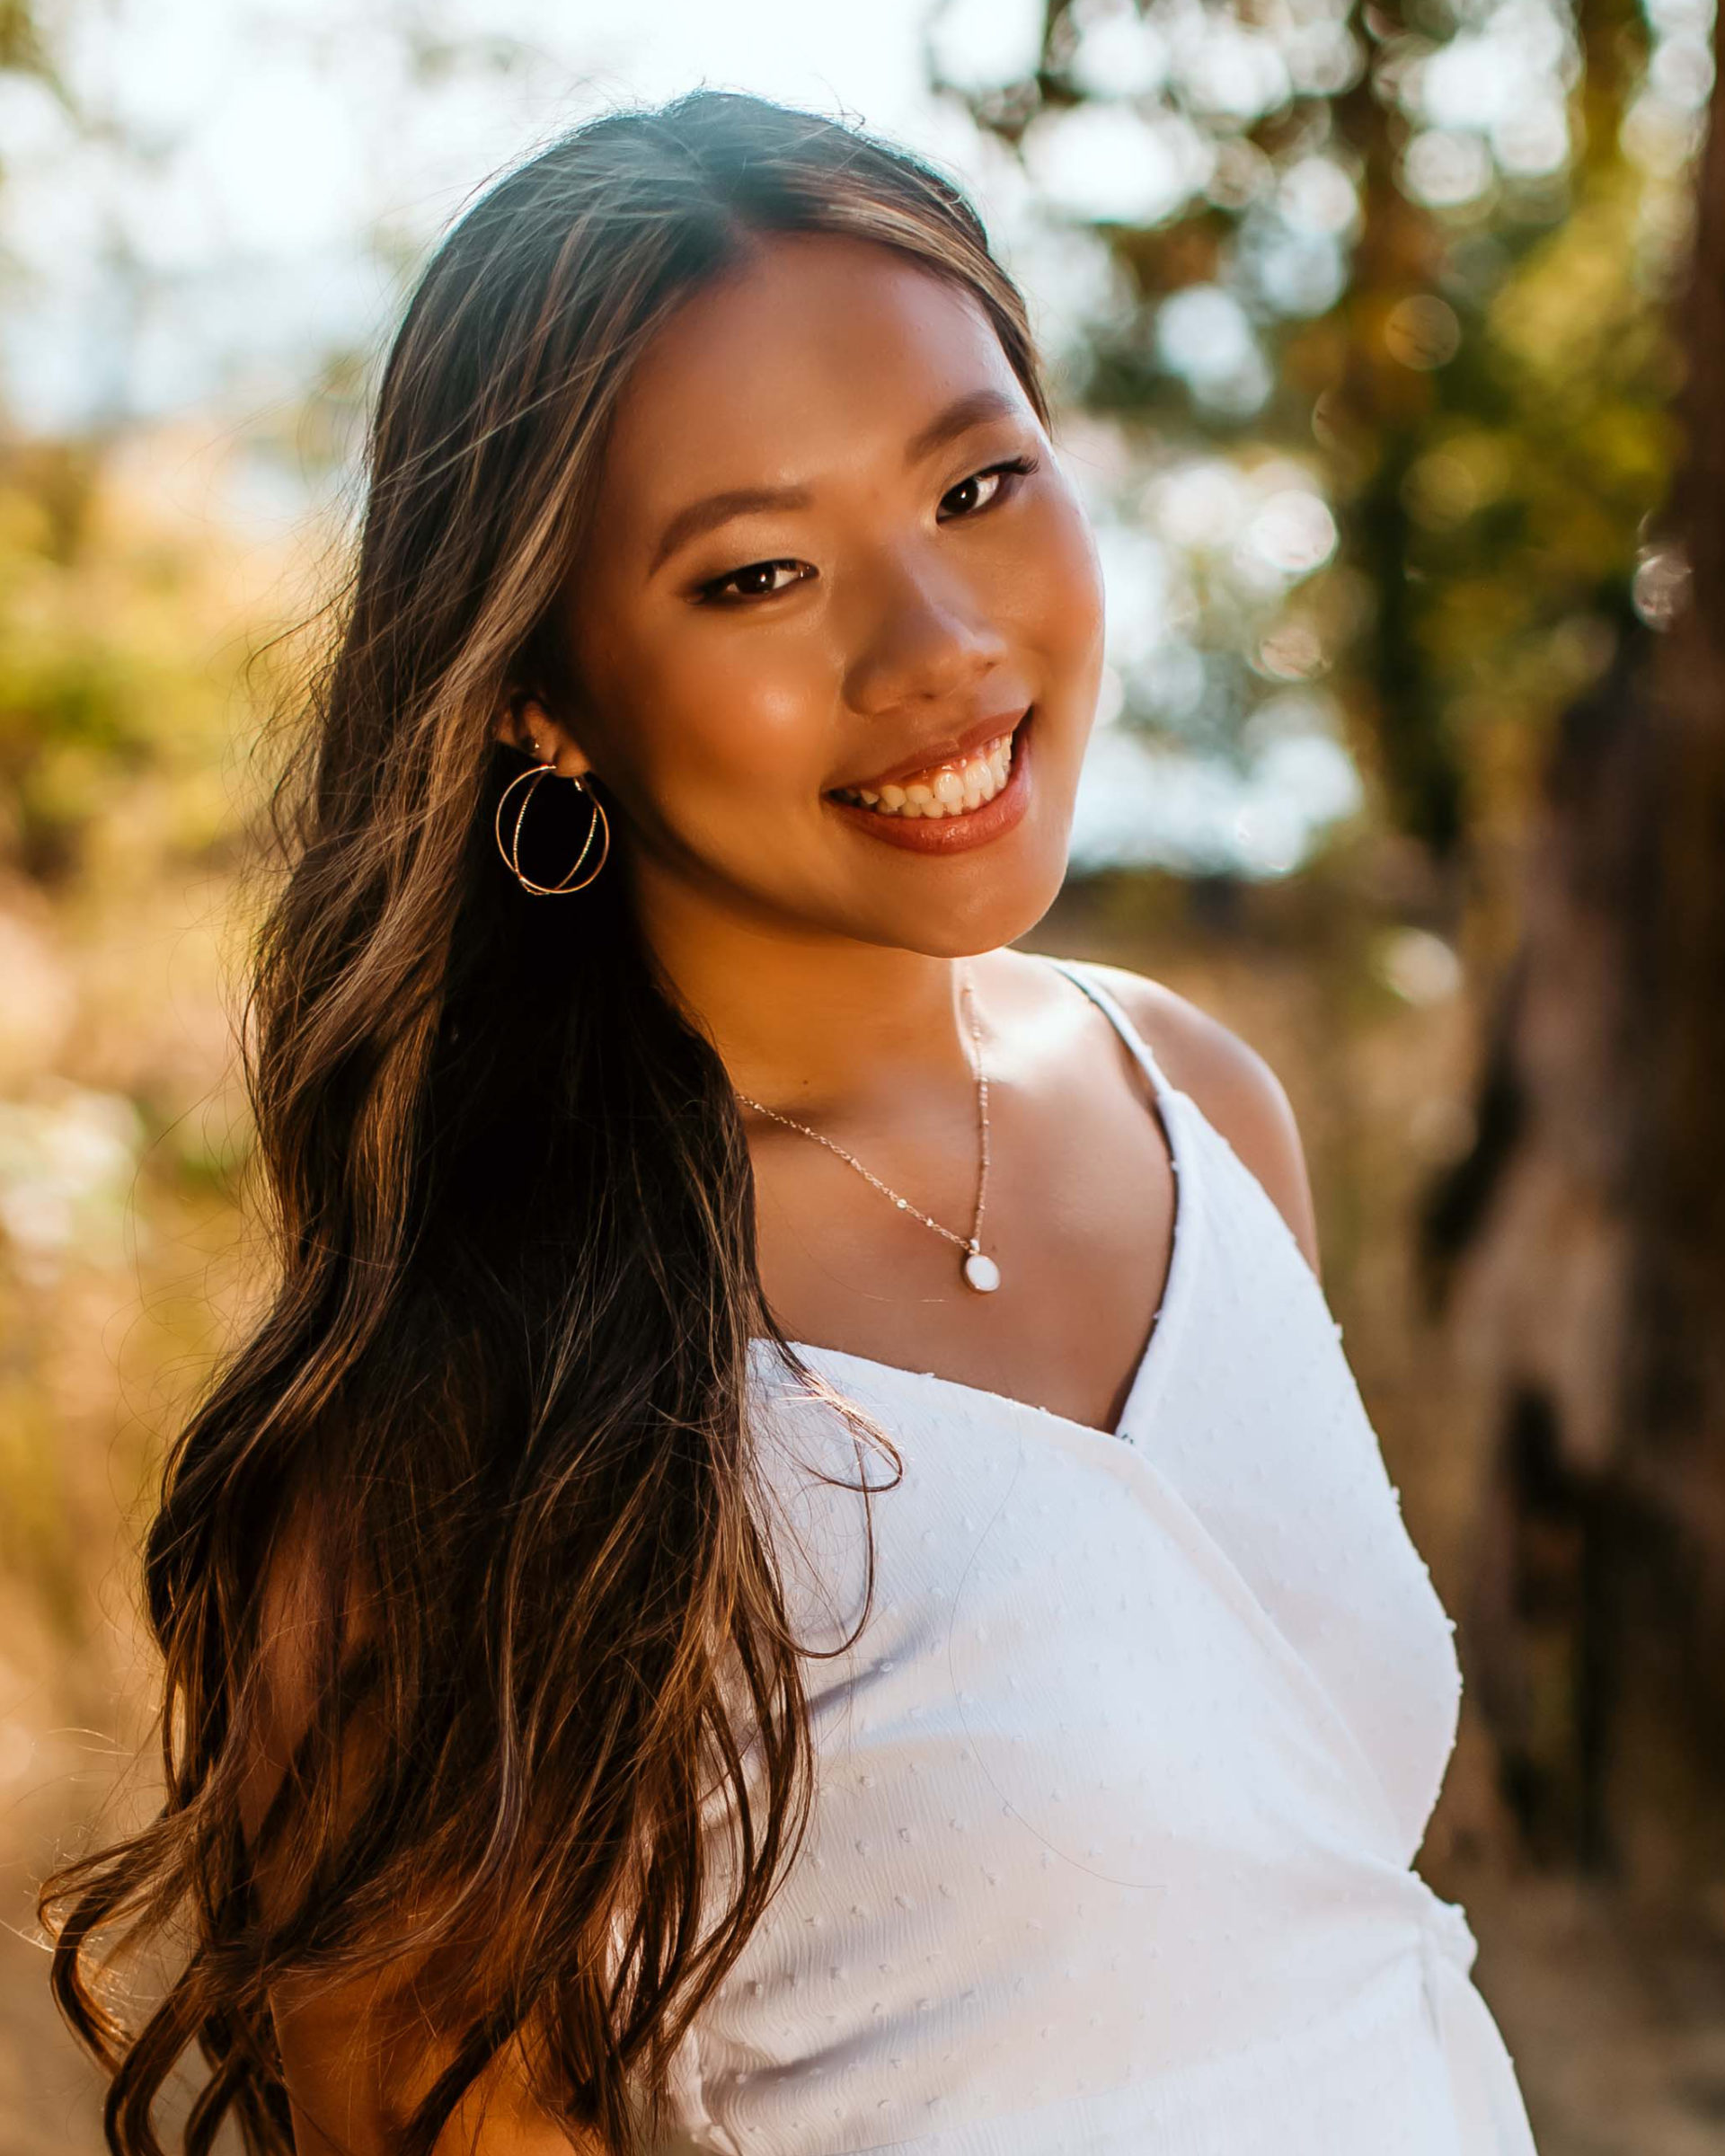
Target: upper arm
1236,1089
358,2053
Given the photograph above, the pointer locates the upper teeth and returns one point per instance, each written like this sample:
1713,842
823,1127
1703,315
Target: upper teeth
950,789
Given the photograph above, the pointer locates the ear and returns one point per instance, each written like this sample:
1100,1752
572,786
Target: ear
526,724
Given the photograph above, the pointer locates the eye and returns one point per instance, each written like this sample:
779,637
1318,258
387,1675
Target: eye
984,488
758,581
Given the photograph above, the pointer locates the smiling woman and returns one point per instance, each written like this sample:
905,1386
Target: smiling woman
915,587
543,1768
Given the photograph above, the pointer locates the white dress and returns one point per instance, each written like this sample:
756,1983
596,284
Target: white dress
1120,1788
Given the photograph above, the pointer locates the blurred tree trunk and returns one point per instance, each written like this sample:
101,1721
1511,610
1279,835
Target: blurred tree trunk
1373,423
1584,1239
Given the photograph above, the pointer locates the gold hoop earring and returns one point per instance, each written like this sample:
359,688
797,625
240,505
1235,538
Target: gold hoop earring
511,852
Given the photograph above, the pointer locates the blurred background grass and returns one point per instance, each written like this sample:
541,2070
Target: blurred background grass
1364,327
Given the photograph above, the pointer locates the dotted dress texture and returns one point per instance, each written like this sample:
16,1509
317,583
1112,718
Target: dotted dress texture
1120,1788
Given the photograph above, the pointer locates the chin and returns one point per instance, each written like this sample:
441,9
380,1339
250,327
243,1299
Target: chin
984,911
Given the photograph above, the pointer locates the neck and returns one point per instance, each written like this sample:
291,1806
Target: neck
809,1022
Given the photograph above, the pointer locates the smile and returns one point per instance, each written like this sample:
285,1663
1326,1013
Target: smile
958,787
960,802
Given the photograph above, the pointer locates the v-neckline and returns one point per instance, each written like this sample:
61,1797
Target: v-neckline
1149,1376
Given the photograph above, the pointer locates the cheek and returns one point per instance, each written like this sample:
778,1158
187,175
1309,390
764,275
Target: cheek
1066,592
756,700
703,712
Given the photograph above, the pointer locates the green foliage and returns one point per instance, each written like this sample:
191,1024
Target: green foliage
1441,293
115,692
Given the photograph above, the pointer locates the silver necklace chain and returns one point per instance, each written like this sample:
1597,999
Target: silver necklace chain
980,1272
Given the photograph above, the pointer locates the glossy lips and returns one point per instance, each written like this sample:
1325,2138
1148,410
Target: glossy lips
951,806
949,788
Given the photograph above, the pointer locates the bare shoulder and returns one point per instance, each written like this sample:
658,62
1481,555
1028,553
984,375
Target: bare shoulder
1236,1089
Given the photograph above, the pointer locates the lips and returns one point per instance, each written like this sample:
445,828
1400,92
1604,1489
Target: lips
934,755
950,789
940,829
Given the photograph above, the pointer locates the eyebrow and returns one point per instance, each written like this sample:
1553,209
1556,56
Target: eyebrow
963,414
714,510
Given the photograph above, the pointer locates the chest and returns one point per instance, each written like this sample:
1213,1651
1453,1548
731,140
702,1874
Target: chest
1079,1215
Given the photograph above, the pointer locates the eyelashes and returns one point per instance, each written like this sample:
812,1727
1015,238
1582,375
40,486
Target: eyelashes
717,590
714,594
1013,467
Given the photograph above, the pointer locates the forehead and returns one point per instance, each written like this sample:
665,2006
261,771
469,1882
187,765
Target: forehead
818,356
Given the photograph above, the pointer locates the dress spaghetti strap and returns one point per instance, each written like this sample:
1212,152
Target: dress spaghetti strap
1112,1008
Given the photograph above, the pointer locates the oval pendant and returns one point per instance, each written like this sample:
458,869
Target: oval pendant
982,1272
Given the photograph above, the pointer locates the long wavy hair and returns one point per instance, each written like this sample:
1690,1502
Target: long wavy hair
493,1420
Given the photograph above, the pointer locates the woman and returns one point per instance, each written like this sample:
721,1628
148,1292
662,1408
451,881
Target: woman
794,1566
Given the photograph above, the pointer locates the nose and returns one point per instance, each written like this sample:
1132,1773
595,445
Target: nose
924,635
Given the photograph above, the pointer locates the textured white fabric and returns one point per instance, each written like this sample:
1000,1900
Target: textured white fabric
1120,1785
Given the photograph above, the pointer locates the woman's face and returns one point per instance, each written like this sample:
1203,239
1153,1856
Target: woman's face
833,551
